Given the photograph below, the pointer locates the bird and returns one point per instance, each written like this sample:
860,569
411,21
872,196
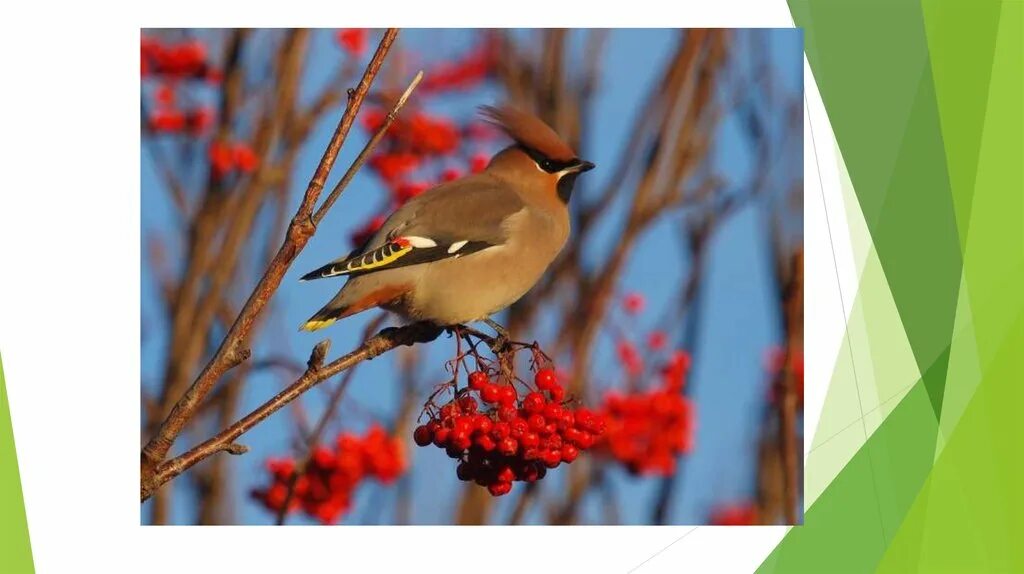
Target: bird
468,248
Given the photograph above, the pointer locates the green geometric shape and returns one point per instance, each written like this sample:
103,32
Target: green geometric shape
961,39
15,547
917,240
967,519
851,67
964,372
890,367
848,527
877,88
994,251
874,369
935,382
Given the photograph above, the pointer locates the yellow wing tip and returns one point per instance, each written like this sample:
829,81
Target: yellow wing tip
316,324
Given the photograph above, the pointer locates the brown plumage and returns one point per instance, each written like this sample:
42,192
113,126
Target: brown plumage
468,248
529,131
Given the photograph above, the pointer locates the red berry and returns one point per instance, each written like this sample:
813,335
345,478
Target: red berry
462,425
464,471
507,395
553,412
478,162
467,404
485,442
569,453
507,413
536,422
551,458
529,440
490,393
506,474
441,436
657,340
508,446
352,40
499,488
245,158
534,403
553,441
460,440
585,440
448,411
545,379
529,473
557,394
322,457
221,161
500,430
518,427
572,435
633,303
483,424
422,435
478,380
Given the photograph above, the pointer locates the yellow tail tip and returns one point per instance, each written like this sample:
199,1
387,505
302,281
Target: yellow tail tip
316,324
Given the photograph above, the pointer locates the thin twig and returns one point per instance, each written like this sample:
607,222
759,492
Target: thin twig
365,153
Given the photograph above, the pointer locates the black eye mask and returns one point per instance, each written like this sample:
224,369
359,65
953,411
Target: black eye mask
550,165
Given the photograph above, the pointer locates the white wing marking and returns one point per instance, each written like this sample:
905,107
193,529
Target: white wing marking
420,242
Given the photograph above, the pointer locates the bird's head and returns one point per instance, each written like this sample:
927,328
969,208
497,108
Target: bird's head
537,152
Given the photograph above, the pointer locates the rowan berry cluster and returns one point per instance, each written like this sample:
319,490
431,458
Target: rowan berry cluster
500,436
648,430
325,487
231,158
168,66
465,73
181,61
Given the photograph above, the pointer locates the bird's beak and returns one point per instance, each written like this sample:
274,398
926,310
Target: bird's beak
584,166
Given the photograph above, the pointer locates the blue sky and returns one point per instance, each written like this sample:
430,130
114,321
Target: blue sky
739,320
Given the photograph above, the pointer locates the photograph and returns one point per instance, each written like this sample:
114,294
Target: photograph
471,276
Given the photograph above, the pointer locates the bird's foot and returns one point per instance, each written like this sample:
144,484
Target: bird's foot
503,340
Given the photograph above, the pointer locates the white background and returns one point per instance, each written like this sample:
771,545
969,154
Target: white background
70,255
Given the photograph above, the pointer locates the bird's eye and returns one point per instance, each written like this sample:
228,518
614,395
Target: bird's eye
548,165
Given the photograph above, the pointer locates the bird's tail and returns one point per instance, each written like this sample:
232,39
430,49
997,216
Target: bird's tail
324,318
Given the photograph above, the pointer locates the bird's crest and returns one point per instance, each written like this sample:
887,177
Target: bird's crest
529,131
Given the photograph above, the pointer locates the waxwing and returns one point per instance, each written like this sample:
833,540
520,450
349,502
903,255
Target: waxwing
467,248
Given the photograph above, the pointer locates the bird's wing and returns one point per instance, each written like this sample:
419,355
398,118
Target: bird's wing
451,220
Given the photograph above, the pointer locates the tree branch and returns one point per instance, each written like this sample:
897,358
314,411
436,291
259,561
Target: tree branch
301,229
384,341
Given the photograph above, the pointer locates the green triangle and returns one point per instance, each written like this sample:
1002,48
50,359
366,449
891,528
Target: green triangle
15,548
850,525
935,381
